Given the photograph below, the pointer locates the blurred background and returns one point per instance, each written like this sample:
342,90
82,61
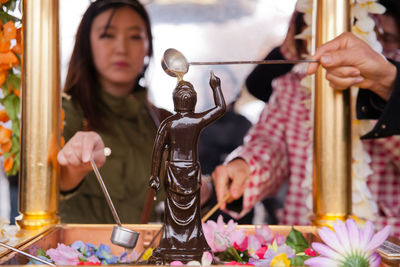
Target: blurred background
203,30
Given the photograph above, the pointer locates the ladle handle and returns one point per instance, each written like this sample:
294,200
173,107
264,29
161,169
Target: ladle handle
26,254
272,61
108,198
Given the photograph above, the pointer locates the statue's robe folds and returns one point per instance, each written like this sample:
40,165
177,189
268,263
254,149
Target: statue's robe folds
183,238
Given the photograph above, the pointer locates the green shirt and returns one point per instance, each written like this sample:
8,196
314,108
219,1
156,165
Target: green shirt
127,170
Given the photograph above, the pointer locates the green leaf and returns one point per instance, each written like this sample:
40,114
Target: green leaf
298,260
12,105
5,17
296,241
14,145
15,80
41,252
244,255
231,254
234,254
15,128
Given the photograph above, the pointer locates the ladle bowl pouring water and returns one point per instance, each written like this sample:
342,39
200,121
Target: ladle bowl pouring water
175,63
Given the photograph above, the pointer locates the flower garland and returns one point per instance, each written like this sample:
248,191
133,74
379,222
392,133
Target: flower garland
10,84
363,204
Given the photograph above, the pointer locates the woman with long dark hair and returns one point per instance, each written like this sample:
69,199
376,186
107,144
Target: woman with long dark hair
108,107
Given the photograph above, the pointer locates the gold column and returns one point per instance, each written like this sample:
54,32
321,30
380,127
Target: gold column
332,132
40,115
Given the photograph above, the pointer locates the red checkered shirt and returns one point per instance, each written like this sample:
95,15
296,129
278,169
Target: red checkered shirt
276,150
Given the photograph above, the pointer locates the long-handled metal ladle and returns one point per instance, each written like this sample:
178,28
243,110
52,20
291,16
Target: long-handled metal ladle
26,254
120,236
175,64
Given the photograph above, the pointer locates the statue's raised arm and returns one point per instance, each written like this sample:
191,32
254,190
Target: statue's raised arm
219,101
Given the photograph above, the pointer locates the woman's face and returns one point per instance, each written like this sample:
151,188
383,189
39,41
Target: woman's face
119,50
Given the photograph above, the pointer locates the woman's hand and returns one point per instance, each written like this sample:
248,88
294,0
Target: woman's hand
75,156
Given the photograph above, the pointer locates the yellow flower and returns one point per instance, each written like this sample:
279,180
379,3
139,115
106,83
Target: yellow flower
273,246
147,254
280,260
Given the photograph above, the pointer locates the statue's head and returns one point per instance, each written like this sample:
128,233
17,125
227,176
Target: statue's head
185,97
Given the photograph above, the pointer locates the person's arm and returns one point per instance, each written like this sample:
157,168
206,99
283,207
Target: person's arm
70,157
371,106
349,61
259,166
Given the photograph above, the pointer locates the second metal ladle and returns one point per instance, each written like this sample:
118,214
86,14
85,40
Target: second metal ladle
120,236
175,64
25,254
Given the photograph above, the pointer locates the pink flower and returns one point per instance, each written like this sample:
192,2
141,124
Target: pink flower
64,255
242,247
220,236
254,245
234,263
261,252
176,263
280,239
310,252
207,259
93,259
88,263
265,234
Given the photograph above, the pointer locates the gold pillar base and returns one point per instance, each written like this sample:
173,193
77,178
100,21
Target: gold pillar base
37,220
329,219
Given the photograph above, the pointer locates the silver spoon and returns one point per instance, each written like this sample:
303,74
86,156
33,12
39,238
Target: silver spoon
120,236
26,254
175,64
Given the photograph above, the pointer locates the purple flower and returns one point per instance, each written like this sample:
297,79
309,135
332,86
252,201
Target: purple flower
91,249
104,254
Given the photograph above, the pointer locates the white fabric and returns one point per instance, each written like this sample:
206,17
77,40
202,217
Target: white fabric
5,207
